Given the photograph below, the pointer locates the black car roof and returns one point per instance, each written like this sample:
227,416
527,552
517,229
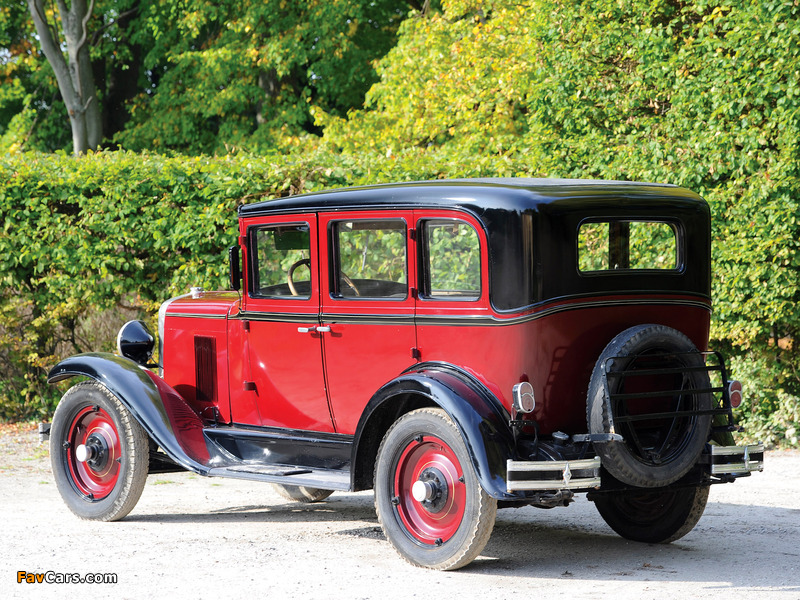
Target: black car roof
476,195
537,220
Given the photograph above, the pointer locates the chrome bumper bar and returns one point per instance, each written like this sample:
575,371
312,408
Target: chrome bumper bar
555,475
737,460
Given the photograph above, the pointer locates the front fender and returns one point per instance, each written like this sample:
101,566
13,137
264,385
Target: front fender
159,409
477,414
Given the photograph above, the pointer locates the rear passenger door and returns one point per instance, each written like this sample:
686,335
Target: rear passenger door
453,314
367,306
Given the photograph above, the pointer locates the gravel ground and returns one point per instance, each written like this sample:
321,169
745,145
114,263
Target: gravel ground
193,537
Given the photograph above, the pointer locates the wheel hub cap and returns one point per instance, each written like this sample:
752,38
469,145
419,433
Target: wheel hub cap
430,496
94,452
431,490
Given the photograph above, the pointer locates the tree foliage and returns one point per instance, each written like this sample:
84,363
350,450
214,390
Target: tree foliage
33,113
702,94
235,74
87,243
196,77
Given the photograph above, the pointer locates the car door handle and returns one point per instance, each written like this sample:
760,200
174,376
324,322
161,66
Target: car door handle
322,329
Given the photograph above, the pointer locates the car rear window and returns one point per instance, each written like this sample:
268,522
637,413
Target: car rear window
627,245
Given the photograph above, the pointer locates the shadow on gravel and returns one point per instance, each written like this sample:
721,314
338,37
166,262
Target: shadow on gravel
573,544
346,509
532,546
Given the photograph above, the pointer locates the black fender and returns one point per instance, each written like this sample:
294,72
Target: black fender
159,409
476,412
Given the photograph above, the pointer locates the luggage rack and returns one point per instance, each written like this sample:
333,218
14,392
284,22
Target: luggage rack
672,394
723,405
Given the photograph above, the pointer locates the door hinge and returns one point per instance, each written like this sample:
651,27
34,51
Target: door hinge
412,234
416,354
246,325
249,386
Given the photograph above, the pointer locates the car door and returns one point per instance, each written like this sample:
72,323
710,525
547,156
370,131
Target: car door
367,307
453,315
285,386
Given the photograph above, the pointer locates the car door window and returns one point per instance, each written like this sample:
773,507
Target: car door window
370,259
452,254
282,265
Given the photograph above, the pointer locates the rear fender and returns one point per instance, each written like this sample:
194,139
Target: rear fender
164,414
478,415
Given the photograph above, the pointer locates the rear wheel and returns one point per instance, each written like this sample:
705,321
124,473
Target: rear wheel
427,495
656,412
301,493
98,452
657,516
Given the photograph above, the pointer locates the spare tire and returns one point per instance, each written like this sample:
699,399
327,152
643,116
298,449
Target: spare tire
658,448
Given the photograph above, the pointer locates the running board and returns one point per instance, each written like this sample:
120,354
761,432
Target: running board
325,479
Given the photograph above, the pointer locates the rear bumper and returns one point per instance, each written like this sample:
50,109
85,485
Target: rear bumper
737,460
584,474
538,476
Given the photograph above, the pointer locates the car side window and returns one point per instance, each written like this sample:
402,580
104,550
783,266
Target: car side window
452,256
370,259
281,261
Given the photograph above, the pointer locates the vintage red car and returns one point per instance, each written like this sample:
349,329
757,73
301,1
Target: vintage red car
457,346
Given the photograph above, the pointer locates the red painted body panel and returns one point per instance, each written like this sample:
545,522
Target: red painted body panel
186,318
286,367
285,364
556,352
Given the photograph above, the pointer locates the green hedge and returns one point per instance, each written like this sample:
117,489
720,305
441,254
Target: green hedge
89,243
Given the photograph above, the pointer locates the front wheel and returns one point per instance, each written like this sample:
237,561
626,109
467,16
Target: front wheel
99,453
429,501
658,516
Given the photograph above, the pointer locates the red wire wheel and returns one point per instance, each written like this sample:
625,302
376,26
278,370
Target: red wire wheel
93,430
428,498
99,453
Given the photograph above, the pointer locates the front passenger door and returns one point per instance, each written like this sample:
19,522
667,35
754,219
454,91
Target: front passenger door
286,385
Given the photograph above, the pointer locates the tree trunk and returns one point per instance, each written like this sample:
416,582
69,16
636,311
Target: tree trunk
74,73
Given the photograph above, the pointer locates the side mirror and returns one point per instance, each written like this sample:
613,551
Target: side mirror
235,268
135,341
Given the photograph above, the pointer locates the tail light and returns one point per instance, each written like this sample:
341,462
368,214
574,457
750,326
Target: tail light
735,393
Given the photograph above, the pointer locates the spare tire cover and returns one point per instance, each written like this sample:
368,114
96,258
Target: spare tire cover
656,450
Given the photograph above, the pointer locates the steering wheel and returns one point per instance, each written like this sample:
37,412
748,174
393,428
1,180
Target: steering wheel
290,275
349,282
